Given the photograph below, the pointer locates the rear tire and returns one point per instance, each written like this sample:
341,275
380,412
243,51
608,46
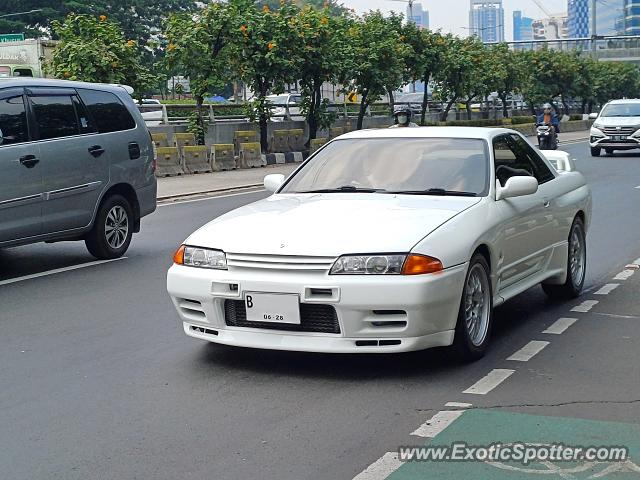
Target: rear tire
475,316
595,151
576,265
113,228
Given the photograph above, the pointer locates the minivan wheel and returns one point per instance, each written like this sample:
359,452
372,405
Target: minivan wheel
576,265
475,317
112,231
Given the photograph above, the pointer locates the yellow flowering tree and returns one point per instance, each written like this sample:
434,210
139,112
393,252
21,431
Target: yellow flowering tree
94,49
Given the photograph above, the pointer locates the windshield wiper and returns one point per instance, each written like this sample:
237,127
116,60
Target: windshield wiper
435,191
344,189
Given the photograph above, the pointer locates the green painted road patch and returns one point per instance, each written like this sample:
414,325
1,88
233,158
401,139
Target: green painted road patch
482,428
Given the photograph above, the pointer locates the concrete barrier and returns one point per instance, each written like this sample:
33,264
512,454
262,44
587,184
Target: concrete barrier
250,155
181,140
280,141
296,140
316,143
244,136
336,132
196,159
168,162
222,157
160,139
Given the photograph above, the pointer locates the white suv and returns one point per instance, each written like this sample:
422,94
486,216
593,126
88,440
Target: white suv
616,128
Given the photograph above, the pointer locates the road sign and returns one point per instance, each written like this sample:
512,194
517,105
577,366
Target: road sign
11,37
353,97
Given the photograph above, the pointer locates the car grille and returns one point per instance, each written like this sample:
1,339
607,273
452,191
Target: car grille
313,318
279,262
623,130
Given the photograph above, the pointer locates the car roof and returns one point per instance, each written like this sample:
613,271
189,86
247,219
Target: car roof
8,82
625,100
482,133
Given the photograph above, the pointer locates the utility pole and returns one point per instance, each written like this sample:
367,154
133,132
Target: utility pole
593,28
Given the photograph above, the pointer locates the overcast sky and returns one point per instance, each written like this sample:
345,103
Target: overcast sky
451,15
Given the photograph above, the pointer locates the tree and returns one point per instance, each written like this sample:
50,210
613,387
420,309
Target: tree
509,73
323,56
95,50
377,58
267,56
455,79
200,47
424,58
335,8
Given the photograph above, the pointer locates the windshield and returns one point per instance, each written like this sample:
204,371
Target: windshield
278,100
621,110
396,165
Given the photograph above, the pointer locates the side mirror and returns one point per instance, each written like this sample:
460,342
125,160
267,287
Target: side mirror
517,186
593,116
273,182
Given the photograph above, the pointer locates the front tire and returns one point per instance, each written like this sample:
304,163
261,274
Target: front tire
595,151
113,228
609,151
576,265
475,316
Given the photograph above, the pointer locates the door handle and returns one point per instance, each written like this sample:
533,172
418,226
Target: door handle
29,161
96,150
546,203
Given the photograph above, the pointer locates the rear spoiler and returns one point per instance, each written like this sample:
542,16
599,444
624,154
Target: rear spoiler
560,160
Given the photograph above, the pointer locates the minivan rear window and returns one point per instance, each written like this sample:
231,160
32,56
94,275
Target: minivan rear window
108,112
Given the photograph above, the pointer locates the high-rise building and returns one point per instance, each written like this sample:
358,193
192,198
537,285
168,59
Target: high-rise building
522,27
555,27
417,15
632,17
486,20
613,17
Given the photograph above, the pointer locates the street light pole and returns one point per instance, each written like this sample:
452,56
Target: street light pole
593,27
410,2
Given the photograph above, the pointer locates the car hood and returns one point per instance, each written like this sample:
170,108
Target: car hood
618,121
329,224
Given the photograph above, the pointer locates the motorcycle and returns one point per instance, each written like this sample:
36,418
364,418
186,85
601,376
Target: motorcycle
547,137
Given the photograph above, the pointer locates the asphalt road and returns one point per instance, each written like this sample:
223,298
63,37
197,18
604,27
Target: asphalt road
98,381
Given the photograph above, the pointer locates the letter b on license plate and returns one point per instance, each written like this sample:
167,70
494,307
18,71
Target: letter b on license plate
272,307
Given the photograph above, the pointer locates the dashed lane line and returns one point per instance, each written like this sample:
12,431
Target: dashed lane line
527,352
490,381
585,306
381,468
57,270
437,423
607,289
560,325
458,405
624,275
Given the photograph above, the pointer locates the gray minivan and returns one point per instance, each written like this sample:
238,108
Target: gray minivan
76,163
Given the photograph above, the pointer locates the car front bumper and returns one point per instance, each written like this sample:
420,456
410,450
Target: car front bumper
375,313
597,138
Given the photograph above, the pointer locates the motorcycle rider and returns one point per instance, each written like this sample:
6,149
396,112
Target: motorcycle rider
402,116
549,117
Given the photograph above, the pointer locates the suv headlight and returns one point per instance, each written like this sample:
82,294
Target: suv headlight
396,264
598,126
200,257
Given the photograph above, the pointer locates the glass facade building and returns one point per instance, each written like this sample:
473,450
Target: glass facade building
418,15
522,27
486,20
613,17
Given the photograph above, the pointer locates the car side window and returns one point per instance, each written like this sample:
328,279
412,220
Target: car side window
509,161
86,124
55,116
13,120
107,111
540,170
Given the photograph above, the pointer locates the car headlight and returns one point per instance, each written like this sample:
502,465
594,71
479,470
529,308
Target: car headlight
397,264
200,257
598,126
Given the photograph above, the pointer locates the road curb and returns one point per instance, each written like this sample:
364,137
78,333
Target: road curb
205,193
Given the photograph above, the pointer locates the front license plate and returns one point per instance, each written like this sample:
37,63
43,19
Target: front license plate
272,307
618,138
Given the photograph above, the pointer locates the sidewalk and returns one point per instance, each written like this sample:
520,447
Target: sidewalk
219,182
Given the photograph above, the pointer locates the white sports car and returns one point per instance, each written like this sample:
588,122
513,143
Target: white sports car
388,241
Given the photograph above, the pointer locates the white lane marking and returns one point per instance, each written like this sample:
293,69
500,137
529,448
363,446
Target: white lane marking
560,326
167,203
381,468
437,423
624,275
527,352
585,306
57,270
487,383
458,404
637,186
607,289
